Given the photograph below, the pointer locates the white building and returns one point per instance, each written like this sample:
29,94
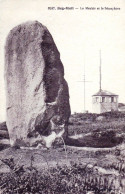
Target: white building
104,101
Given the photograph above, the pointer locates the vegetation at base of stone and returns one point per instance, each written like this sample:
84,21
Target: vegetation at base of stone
96,130
74,178
2,147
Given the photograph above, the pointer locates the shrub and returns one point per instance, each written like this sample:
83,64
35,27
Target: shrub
76,178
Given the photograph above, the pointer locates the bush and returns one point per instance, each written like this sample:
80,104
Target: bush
76,178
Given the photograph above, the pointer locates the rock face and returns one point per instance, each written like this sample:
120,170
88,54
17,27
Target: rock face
37,93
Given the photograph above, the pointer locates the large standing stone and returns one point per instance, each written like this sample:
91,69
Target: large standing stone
37,93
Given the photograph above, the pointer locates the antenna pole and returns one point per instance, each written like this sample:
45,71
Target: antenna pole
100,84
84,85
84,80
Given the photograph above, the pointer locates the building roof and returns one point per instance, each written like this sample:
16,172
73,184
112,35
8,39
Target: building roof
104,93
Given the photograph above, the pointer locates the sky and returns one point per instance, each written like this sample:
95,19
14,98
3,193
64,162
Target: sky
79,34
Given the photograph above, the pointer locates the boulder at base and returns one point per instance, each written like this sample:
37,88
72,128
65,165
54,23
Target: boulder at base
37,93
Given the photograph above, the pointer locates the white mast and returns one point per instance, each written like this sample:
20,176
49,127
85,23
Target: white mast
100,82
84,80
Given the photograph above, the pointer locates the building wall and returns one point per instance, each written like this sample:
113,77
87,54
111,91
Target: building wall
96,104
104,104
106,107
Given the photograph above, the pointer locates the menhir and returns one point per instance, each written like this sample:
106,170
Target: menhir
37,93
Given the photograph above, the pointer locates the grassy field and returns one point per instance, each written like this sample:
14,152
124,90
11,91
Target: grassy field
98,167
85,123
106,130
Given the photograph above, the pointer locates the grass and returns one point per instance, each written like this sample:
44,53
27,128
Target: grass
88,123
75,178
109,131
79,176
